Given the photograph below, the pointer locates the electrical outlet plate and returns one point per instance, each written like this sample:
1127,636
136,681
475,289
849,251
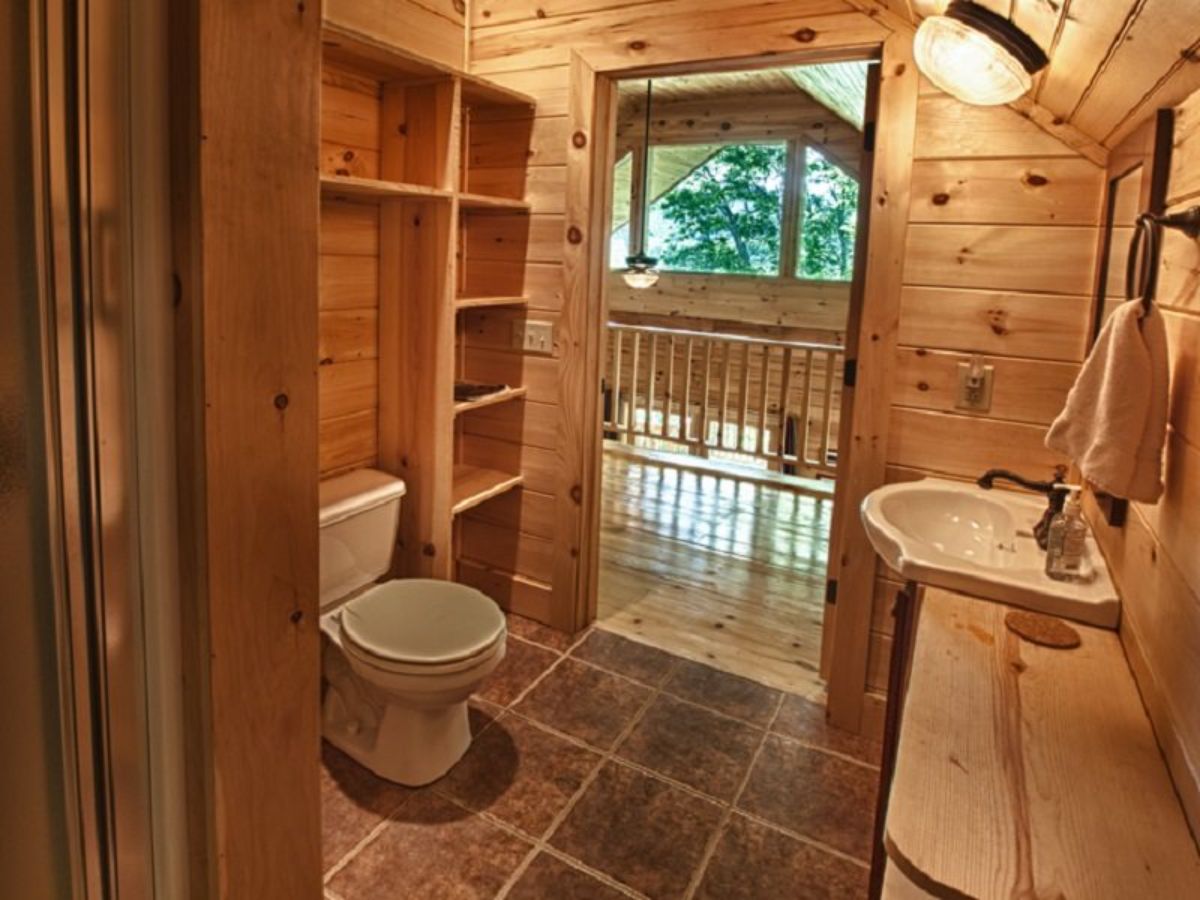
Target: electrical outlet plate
974,387
533,336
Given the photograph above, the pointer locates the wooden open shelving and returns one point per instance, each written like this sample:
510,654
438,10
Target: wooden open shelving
504,396
465,303
474,485
417,251
351,186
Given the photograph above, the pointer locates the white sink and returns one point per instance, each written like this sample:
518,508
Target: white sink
958,536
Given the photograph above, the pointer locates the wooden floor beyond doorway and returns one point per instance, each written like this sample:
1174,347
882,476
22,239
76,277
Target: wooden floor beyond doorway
715,569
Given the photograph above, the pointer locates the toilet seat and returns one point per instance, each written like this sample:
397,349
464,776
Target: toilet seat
422,627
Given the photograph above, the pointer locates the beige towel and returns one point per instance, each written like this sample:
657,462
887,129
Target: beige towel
1114,424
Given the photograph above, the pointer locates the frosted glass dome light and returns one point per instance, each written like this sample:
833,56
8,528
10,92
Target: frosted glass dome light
976,55
641,272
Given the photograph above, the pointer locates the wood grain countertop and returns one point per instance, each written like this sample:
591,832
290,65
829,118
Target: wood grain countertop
1029,772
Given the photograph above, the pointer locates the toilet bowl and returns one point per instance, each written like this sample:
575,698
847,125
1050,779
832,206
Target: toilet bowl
400,657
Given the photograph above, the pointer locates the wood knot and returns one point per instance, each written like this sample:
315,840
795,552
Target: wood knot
429,550
941,199
1190,54
460,6
574,235
901,69
541,13
725,126
1035,180
579,140
326,361
637,45
805,35
348,155
296,617
281,401
922,385
576,494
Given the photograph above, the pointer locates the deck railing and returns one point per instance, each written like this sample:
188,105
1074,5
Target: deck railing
773,400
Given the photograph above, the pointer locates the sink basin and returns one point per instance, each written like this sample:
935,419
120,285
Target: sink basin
958,536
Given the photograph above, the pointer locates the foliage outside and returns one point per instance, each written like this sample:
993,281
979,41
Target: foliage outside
725,216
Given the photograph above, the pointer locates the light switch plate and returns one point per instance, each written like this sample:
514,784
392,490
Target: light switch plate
533,336
974,387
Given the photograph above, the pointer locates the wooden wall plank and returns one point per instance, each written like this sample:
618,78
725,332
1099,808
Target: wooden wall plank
961,445
435,29
948,129
1025,390
1018,258
1056,191
1044,326
349,229
348,282
348,387
349,441
345,335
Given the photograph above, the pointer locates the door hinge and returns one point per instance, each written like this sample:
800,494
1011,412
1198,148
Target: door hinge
831,592
869,137
850,373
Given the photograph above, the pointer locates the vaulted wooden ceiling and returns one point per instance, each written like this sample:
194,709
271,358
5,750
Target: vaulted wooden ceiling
1112,62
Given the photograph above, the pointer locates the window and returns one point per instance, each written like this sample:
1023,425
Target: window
829,220
718,208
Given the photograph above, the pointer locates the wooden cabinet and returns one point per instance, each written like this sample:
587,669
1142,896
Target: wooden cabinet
423,223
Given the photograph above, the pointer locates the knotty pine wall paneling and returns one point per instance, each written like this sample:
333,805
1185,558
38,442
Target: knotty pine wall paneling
1003,217
1154,557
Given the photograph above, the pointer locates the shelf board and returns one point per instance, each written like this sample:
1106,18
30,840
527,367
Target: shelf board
486,203
478,91
484,302
473,485
512,393
351,186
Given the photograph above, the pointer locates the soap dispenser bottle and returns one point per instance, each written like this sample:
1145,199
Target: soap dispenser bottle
1067,539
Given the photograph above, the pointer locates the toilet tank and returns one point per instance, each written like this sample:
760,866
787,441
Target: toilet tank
360,513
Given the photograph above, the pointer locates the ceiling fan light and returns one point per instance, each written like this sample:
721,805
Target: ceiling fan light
640,272
976,55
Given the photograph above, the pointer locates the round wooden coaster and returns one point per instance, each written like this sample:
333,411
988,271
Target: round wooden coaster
1045,630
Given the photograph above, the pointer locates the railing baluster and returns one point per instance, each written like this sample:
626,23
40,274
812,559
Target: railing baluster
724,410
615,405
826,408
685,428
785,389
631,422
651,373
705,395
764,375
670,391
805,410
743,398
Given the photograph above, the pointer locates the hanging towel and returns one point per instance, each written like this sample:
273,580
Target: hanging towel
1114,423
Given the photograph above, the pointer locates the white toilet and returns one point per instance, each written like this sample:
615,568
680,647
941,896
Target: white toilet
400,658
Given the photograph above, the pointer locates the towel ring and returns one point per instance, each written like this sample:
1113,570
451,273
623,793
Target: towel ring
1141,268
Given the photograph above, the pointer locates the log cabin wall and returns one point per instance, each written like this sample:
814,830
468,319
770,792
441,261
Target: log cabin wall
1001,242
1153,557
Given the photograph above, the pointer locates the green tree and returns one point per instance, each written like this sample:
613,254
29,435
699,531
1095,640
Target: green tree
724,217
830,215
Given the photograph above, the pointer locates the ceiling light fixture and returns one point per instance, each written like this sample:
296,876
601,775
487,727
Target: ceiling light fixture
641,271
977,55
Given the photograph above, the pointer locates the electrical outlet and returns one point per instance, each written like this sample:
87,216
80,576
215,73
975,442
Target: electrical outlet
533,336
975,385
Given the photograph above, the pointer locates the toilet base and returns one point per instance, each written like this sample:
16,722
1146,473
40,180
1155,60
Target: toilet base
409,746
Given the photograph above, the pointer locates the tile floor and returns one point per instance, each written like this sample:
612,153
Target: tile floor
604,768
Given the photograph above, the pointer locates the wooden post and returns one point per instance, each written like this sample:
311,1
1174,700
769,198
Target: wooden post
792,223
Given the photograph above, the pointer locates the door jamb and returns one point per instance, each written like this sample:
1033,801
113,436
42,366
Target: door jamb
871,335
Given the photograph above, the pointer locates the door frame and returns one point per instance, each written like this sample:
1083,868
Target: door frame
870,338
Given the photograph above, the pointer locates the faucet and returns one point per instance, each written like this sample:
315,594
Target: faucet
1056,498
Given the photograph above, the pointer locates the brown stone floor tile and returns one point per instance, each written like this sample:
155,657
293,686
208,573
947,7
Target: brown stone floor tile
753,862
519,773
813,793
804,720
353,801
700,748
481,714
586,703
522,664
726,693
639,830
640,662
537,633
549,878
432,850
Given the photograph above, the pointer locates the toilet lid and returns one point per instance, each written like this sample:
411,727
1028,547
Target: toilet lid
423,622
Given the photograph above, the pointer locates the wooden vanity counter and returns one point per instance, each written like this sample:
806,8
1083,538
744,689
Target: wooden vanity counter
1024,771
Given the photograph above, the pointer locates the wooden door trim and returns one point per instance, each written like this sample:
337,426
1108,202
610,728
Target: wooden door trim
885,206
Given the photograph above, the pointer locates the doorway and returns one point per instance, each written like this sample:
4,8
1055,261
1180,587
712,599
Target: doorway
722,381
